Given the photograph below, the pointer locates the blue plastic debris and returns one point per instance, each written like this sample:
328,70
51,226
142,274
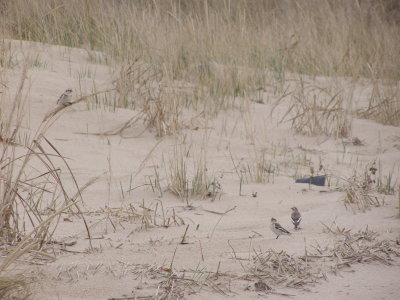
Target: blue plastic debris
315,180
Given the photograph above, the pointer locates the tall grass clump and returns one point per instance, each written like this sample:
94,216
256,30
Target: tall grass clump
386,184
7,60
365,190
161,107
259,168
383,103
314,110
33,191
187,173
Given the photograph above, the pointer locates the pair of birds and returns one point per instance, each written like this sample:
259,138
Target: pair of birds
279,230
66,98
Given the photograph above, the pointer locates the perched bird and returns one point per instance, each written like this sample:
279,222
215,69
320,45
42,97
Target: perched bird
296,217
66,98
277,228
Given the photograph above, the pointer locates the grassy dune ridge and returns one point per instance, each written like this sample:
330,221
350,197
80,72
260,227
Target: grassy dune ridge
315,37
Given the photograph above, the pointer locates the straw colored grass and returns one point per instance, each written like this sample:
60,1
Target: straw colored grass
367,189
315,37
358,193
226,49
315,110
266,272
280,269
383,103
13,287
148,215
186,174
31,183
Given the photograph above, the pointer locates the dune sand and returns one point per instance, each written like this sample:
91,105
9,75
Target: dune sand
128,260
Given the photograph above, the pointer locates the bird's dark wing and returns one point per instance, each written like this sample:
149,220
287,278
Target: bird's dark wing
296,218
279,227
296,222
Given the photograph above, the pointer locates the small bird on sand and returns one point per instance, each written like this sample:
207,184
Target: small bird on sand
277,228
296,217
66,98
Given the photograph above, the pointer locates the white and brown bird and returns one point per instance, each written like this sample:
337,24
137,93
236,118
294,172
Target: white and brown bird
296,217
277,228
66,98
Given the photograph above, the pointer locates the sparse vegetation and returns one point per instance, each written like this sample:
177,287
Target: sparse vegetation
384,103
281,269
366,189
147,215
314,110
386,184
356,193
260,168
187,173
31,185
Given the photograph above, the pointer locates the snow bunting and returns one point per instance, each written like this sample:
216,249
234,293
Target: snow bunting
277,228
66,98
296,217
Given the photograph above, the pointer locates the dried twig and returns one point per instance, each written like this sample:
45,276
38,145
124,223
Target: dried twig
183,242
